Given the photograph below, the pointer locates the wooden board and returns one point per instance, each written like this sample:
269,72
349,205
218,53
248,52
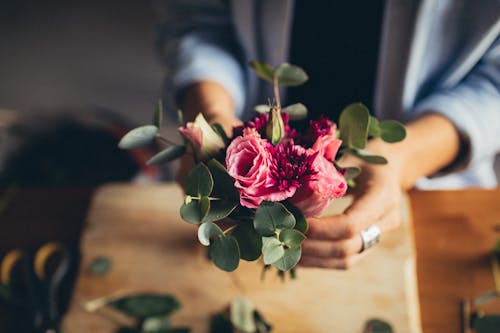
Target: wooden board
152,249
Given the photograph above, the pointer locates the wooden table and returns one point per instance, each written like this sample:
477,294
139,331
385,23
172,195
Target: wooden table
152,249
454,236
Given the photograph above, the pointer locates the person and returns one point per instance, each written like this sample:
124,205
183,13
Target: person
438,69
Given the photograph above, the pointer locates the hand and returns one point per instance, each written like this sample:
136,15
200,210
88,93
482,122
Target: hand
335,241
432,143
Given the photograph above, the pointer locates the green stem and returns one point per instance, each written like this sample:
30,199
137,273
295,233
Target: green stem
277,92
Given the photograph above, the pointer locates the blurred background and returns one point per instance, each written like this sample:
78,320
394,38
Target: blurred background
79,53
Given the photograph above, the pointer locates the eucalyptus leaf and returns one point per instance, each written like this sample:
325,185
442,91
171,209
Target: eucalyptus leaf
139,137
100,266
199,181
373,127
289,259
142,306
291,238
191,212
392,131
221,324
220,131
272,250
262,108
180,118
207,231
368,157
249,241
487,324
204,207
225,253
297,111
301,221
353,126
158,114
224,184
263,70
289,75
155,324
351,172
377,326
167,155
241,314
272,216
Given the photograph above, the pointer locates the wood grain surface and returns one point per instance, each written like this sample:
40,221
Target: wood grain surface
454,235
152,249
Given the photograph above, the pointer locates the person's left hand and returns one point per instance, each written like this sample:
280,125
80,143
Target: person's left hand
335,241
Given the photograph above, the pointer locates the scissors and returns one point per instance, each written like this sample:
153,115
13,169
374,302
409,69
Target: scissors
34,283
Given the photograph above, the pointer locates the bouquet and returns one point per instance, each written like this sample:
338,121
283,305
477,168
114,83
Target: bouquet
265,180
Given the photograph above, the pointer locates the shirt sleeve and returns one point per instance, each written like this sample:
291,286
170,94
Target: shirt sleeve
197,42
474,108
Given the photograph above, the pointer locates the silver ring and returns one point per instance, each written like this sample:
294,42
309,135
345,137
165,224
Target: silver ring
369,237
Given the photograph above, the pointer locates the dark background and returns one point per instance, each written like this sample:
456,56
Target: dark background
63,53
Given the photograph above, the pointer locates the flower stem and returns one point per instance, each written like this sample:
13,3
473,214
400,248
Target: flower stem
277,92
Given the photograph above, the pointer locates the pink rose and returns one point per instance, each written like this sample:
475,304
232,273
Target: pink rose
248,159
327,146
317,193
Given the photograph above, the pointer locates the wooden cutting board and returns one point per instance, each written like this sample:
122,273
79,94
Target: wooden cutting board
153,250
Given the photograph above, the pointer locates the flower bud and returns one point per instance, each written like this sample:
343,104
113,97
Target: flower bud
205,141
275,128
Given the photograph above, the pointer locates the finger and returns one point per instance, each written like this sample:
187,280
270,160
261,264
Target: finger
331,249
345,247
366,210
335,263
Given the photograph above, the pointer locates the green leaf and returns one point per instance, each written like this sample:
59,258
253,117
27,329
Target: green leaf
155,325
100,266
146,305
191,212
351,172
487,324
224,183
368,157
291,238
392,131
180,118
373,127
249,241
199,181
158,114
272,250
139,137
272,216
220,131
353,126
496,248
220,324
301,221
290,75
204,206
289,259
207,231
167,155
224,190
262,108
241,314
297,111
377,326
263,70
225,253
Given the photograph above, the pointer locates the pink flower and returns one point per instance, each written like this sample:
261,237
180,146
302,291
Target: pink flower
248,160
327,184
205,141
327,146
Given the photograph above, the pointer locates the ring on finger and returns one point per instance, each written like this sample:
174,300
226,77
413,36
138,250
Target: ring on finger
369,237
